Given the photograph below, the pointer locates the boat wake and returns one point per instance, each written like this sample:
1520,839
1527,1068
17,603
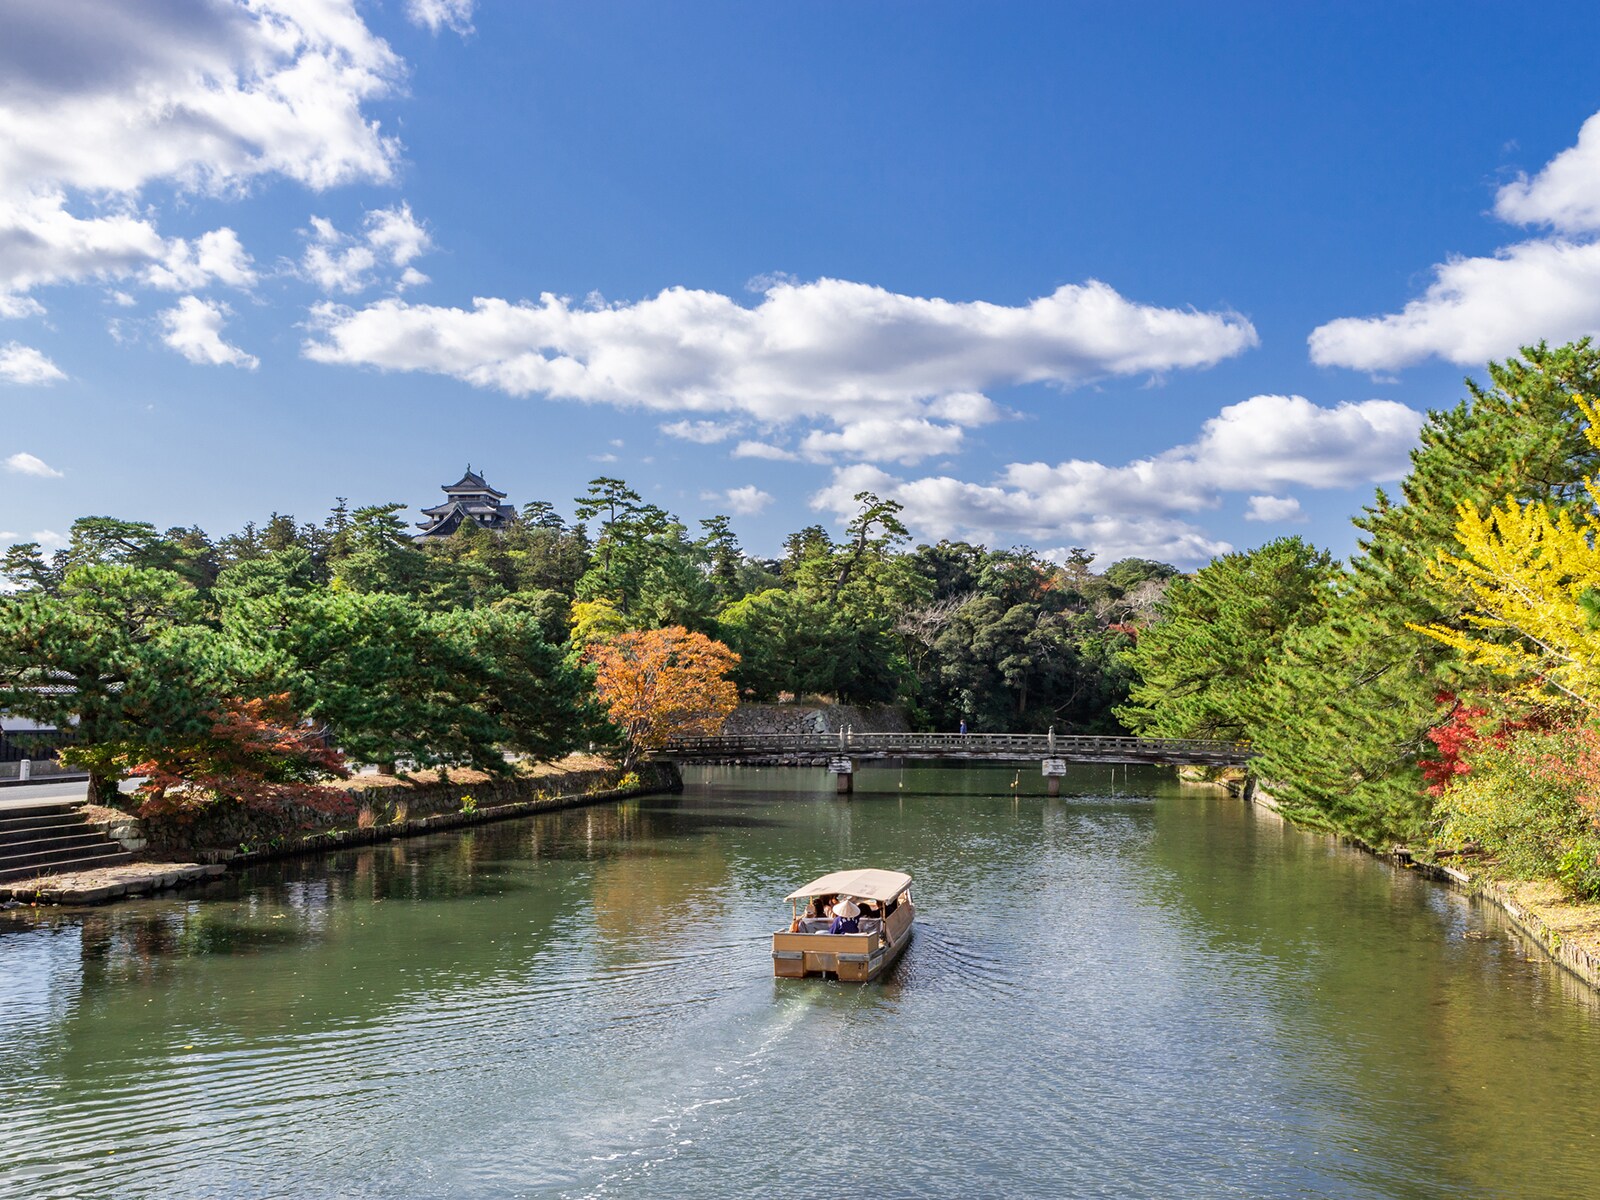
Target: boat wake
678,1126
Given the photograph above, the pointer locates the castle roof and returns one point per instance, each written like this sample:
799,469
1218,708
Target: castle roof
469,500
472,482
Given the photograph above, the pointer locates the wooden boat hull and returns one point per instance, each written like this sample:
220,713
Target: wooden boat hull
849,957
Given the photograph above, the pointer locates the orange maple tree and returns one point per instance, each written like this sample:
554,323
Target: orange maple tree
661,683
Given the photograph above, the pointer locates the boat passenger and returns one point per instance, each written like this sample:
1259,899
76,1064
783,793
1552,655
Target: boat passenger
845,918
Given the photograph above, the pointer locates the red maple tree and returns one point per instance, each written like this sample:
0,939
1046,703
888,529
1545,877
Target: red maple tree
258,753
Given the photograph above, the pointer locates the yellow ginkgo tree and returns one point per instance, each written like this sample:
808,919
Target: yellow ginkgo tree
1530,580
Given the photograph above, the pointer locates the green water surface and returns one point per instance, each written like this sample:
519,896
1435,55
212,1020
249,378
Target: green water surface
1133,990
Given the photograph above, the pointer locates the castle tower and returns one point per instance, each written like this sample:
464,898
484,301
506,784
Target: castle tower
468,499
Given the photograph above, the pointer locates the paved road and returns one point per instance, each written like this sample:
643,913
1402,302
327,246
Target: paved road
33,793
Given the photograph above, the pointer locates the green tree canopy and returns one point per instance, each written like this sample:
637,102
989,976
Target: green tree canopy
1201,665
1353,696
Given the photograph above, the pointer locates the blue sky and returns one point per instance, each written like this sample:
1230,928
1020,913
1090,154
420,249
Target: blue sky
1153,279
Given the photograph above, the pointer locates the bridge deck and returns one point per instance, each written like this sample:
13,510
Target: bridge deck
976,747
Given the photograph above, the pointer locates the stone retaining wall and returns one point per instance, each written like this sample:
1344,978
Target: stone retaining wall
397,810
815,718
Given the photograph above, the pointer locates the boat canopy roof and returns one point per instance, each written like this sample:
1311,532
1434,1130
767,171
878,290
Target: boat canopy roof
865,884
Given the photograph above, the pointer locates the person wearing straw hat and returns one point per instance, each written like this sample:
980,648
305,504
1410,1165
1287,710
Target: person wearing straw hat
846,917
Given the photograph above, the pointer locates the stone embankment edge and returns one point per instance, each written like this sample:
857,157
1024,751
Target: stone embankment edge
100,886
330,840
167,877
1575,960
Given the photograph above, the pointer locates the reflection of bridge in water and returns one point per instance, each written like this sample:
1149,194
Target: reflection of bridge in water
840,751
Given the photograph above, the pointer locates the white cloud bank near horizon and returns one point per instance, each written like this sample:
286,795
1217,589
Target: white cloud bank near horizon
1140,508
1489,306
897,377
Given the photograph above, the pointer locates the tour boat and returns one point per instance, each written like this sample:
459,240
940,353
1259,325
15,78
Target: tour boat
885,913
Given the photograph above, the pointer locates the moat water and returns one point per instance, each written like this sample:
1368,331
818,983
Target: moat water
1133,990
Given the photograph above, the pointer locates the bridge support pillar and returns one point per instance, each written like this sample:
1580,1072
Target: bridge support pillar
844,775
1053,769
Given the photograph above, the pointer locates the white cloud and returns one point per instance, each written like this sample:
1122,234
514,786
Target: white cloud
433,15
334,262
768,280
766,450
217,255
965,408
42,243
939,506
1268,441
13,306
705,433
1565,194
1272,508
883,439
1140,507
830,350
1477,309
741,501
26,464
100,98
194,330
24,364
1489,306
49,539
340,262
105,96
397,235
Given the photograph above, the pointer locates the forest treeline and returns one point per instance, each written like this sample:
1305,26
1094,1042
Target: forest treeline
202,662
1439,689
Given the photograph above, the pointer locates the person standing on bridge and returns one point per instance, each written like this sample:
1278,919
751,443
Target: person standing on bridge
963,726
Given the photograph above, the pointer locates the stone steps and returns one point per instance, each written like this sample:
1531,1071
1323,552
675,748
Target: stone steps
53,839
32,829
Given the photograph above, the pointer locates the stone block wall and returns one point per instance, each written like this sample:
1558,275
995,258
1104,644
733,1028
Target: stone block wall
815,718
220,830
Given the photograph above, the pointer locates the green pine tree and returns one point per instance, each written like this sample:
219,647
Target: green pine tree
1347,706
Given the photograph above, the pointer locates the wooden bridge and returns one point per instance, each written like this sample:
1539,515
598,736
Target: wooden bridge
840,751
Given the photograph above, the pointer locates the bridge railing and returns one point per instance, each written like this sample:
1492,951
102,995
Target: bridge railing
1043,745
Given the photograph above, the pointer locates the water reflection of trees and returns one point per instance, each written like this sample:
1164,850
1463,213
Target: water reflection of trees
1435,1040
401,918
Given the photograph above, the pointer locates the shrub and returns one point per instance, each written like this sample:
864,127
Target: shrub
1531,800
